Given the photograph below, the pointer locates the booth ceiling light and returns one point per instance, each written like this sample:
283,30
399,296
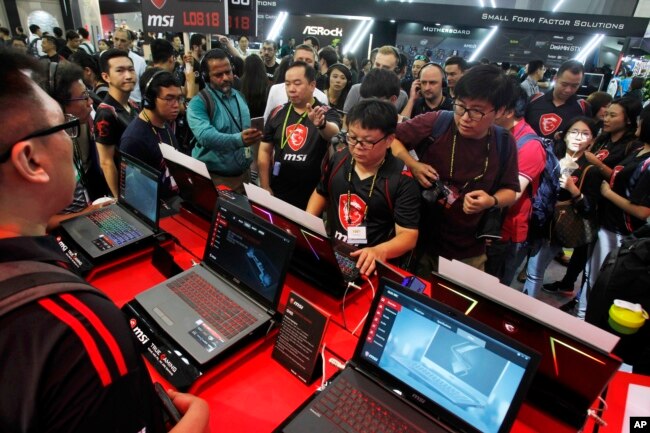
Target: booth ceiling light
481,4
277,26
362,30
557,5
494,4
593,43
484,43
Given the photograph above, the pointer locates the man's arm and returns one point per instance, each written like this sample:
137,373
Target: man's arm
264,158
403,242
523,184
423,173
408,108
196,413
637,211
106,154
206,133
317,203
479,200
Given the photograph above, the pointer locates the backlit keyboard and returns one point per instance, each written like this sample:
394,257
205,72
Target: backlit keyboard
348,266
113,226
220,311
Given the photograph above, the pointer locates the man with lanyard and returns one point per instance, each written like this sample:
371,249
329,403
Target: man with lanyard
549,113
161,100
469,168
296,139
426,92
223,142
115,112
370,201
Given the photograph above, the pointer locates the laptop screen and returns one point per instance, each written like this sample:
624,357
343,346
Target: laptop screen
252,253
139,186
450,364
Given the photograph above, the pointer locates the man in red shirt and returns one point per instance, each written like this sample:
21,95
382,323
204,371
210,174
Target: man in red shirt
507,254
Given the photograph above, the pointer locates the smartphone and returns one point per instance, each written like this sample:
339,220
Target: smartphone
170,413
257,123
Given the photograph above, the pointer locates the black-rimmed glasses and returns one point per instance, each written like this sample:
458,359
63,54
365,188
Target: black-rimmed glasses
473,114
70,125
367,145
84,96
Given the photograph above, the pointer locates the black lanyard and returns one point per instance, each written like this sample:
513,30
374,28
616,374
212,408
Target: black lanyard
232,116
350,185
155,130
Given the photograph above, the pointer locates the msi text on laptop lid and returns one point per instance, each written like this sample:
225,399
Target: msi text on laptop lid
133,219
233,292
460,373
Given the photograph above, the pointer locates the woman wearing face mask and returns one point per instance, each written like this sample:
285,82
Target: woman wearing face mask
339,82
617,139
571,148
625,199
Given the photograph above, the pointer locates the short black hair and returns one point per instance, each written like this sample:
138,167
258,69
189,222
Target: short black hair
459,61
50,39
58,32
310,72
271,42
85,60
598,100
66,74
644,118
374,113
329,55
314,41
213,54
71,35
161,50
111,54
151,85
637,83
573,66
380,83
519,99
534,66
83,32
487,83
34,28
196,40
5,31
242,36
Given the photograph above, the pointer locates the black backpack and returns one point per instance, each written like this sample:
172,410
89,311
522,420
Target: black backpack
625,275
32,48
184,136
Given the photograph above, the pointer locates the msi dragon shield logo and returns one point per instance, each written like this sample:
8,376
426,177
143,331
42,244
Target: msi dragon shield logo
158,3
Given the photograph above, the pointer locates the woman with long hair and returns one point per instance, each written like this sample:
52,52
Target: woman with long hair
618,138
339,81
255,85
350,60
625,198
571,148
599,101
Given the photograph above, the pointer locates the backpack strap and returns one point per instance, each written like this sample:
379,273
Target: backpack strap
208,101
29,281
442,124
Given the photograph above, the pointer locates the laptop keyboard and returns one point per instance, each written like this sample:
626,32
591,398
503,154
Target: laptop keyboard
437,382
355,411
113,226
228,317
348,266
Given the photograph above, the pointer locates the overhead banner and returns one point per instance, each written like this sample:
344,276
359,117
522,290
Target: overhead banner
438,42
469,16
186,16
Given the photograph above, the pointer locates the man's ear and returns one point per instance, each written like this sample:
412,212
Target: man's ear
104,77
27,161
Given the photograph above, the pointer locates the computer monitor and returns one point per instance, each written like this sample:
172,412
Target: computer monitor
590,83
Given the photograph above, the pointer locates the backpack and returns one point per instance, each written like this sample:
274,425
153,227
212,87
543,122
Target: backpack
543,201
32,280
32,48
625,275
184,136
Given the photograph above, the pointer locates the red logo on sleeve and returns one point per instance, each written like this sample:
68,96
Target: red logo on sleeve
102,128
549,123
602,154
356,212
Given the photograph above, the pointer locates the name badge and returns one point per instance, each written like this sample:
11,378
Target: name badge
357,235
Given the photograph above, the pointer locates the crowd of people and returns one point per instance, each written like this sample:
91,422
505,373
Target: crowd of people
409,164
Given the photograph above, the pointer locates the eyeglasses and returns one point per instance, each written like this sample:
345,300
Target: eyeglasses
366,145
171,100
473,114
580,134
70,125
84,97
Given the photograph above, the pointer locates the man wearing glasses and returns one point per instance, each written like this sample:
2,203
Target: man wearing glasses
471,163
370,202
296,138
162,99
68,359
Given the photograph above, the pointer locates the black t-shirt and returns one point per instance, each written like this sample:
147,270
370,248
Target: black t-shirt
421,107
270,71
630,179
395,198
547,119
612,153
108,126
141,140
54,380
301,157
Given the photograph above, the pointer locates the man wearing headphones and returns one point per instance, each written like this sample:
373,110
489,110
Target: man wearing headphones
387,58
161,101
223,141
426,92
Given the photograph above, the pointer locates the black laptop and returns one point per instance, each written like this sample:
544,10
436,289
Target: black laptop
232,293
132,221
323,262
420,366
